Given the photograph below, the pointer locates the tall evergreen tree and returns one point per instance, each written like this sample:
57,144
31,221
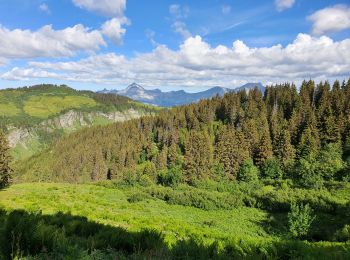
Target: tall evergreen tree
5,169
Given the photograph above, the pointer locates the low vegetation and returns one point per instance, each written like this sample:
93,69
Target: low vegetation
116,220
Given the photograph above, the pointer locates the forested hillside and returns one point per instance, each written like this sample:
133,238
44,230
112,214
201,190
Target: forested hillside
33,116
247,175
283,134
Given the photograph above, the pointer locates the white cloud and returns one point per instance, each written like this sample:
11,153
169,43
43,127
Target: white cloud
44,8
180,28
26,74
113,29
178,14
283,4
196,63
47,42
225,9
151,35
110,8
330,19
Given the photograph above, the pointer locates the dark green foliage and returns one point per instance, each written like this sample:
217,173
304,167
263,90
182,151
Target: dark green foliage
300,219
271,169
343,234
197,198
65,235
170,177
137,196
5,169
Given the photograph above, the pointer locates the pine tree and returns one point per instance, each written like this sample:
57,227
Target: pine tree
198,156
231,151
283,149
5,169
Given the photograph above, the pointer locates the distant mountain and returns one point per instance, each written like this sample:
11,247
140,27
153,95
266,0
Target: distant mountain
175,98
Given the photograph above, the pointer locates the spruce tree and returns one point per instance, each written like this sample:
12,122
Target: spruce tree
5,169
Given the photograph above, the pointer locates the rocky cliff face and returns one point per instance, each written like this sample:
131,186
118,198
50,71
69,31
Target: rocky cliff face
70,121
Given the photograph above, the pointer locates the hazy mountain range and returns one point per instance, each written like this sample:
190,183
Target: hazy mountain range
174,98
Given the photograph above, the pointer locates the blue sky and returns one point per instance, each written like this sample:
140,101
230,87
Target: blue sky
191,45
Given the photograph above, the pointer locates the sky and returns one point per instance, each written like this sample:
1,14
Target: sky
190,45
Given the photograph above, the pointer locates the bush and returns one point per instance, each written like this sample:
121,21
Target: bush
308,174
343,234
330,161
137,196
248,172
170,177
271,169
300,219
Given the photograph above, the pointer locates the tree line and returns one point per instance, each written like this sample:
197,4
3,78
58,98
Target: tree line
300,134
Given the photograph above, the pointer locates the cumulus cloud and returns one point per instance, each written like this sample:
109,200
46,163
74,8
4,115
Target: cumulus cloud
196,63
283,4
44,8
113,29
110,8
47,42
331,19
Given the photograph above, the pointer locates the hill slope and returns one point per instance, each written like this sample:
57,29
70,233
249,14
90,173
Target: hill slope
211,139
175,98
33,116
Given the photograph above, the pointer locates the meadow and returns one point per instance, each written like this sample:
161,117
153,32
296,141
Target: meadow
28,106
110,219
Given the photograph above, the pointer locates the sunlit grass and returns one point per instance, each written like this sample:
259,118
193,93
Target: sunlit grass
9,109
110,206
45,106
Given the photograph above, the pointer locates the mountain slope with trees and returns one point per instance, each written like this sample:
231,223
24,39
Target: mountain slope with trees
284,133
33,116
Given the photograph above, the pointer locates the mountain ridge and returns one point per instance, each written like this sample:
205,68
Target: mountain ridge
177,97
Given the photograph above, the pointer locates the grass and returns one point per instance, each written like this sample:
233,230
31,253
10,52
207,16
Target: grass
29,106
88,221
110,206
46,106
9,109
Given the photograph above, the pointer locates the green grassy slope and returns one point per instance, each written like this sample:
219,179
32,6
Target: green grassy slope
29,106
174,229
38,108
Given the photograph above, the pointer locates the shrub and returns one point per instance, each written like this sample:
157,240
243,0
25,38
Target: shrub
248,171
170,177
308,174
145,181
137,196
300,219
271,169
330,160
343,235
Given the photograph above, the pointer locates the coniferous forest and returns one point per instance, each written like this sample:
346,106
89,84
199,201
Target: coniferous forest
247,175
282,134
